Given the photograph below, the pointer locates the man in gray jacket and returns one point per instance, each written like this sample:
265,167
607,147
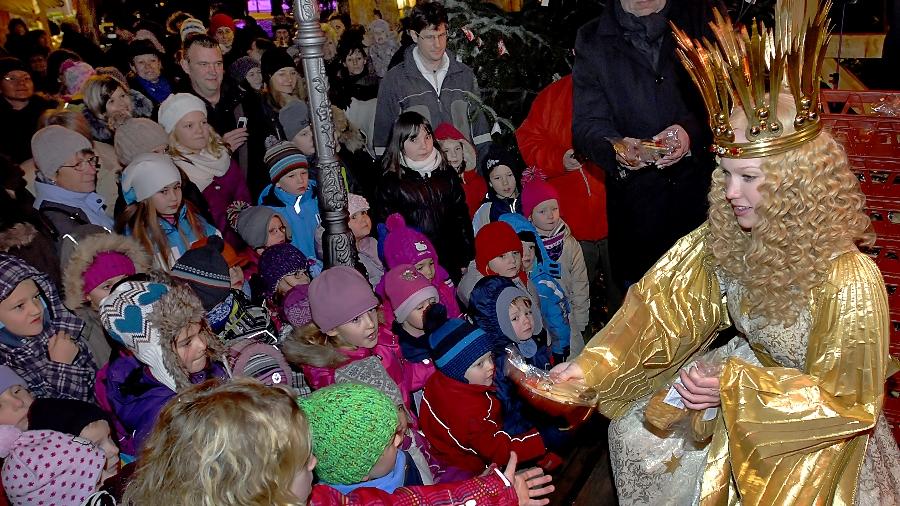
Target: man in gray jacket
431,82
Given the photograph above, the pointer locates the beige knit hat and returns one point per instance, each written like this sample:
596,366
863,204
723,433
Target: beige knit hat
138,136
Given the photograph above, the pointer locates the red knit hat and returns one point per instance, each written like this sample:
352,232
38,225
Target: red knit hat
534,192
219,20
493,240
448,131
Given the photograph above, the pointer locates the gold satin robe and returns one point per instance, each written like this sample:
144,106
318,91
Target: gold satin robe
783,436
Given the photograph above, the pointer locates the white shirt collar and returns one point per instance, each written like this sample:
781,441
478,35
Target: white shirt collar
435,77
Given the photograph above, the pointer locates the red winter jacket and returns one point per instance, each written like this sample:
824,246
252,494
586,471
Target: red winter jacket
490,490
544,137
464,425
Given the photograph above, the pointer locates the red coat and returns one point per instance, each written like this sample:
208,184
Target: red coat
475,188
490,490
464,425
544,137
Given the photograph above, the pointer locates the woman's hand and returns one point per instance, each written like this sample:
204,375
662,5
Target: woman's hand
567,371
570,162
697,390
61,348
529,484
628,153
235,138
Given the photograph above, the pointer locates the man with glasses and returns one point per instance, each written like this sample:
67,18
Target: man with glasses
20,109
431,82
66,182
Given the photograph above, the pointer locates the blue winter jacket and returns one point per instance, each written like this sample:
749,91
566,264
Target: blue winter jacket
302,213
545,274
179,236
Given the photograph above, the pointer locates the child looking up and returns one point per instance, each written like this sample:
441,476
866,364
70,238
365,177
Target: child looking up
39,338
157,216
460,415
540,204
463,158
366,246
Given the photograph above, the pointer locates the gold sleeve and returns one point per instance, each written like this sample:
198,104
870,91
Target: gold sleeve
670,314
799,437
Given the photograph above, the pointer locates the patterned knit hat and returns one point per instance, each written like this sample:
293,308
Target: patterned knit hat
253,359
534,193
339,295
456,345
205,270
356,203
282,158
190,26
277,262
351,426
145,317
241,67
74,74
47,467
493,240
295,307
405,245
370,371
406,288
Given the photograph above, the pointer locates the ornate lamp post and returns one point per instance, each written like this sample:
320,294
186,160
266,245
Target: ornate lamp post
338,244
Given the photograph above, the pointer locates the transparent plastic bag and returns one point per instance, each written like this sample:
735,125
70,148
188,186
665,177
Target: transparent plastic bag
571,400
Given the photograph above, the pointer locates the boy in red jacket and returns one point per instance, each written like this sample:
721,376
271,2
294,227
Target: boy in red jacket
460,415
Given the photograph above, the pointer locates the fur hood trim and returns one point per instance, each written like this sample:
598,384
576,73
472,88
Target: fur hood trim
348,134
173,312
83,256
17,236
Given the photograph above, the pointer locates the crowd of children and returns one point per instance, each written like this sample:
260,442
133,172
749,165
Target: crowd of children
168,321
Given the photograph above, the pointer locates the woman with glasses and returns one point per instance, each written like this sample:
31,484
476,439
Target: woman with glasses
66,181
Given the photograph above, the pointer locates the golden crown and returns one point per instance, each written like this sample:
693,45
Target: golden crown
742,66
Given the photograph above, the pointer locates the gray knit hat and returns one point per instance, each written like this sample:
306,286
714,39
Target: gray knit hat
293,118
54,145
252,223
138,136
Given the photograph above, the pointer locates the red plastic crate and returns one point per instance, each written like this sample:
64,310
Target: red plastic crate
892,283
886,254
894,345
849,116
885,216
878,177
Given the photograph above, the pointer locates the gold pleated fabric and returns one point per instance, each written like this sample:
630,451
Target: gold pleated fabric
783,436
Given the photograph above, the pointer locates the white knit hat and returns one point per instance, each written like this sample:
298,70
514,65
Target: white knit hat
147,174
176,106
189,26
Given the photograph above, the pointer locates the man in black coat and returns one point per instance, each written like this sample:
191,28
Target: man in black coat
629,84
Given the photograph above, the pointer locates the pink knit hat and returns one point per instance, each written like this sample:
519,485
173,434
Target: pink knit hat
356,203
48,467
404,245
339,295
406,289
106,265
534,192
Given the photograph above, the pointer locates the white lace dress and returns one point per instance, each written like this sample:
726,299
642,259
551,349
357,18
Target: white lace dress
651,469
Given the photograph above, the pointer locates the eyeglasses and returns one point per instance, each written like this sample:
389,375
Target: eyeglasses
15,80
433,38
94,162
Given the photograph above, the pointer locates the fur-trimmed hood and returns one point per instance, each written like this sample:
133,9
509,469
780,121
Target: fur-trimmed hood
173,312
147,317
82,257
17,236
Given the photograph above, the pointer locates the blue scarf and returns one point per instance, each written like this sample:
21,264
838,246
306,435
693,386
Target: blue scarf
388,483
158,91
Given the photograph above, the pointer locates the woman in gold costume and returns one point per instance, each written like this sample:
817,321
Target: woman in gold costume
799,398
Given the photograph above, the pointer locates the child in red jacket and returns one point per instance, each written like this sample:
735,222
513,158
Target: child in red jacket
460,414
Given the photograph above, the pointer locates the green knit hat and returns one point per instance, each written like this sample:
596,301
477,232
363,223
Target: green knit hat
351,425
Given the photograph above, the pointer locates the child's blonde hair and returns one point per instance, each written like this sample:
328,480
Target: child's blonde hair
308,345
224,444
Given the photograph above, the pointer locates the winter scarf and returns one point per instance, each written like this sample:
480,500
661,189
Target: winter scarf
201,168
415,349
645,33
158,91
424,167
554,241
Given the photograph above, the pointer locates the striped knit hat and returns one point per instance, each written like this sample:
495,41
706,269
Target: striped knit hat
283,157
205,270
456,345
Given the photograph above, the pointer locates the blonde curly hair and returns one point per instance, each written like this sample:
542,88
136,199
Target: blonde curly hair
239,443
811,210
